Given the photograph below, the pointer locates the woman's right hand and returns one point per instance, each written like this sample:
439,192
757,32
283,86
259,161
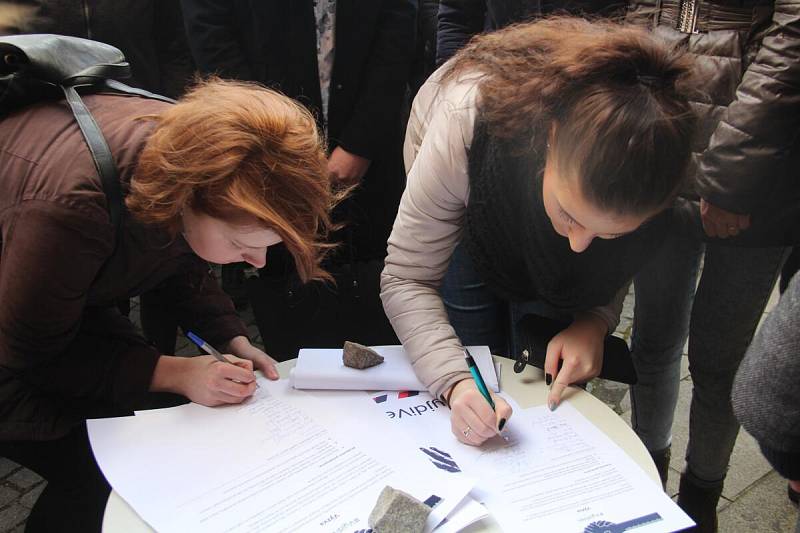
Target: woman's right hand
472,420
205,380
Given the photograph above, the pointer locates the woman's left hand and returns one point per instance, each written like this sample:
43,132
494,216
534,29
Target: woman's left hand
580,346
240,346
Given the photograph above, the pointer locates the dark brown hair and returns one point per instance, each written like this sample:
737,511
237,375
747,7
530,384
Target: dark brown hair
235,150
615,97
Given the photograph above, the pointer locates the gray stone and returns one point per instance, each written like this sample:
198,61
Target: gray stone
398,512
359,356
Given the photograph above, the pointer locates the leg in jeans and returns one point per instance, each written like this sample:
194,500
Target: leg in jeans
664,289
76,493
734,288
478,316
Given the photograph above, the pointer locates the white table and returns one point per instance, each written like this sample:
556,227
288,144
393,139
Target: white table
527,388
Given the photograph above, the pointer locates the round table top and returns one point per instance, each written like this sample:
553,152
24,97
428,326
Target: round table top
527,388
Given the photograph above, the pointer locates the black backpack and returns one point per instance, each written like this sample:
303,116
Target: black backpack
38,67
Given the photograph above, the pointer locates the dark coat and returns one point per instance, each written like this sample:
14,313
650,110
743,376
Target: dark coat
459,20
149,32
747,152
274,42
66,352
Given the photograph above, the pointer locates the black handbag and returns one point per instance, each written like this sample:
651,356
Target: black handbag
534,333
39,67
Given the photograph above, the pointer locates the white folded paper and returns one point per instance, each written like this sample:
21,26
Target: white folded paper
323,369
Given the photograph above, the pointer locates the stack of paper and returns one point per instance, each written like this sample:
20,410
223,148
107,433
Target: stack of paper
283,462
323,369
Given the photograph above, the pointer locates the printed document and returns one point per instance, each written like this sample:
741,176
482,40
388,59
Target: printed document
551,471
283,461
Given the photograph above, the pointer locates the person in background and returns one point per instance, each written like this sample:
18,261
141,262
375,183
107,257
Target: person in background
744,175
425,57
765,397
348,61
459,20
148,32
542,162
227,172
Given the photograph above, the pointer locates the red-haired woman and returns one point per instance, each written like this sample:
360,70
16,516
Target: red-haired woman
542,160
221,176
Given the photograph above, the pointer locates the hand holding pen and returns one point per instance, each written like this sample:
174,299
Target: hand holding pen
476,415
217,384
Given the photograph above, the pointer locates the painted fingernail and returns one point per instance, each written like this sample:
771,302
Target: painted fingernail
551,405
501,425
548,379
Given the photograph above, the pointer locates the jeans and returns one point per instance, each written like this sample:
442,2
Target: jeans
719,319
479,316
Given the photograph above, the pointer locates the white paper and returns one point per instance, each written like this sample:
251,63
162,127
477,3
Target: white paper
283,461
467,513
554,471
323,369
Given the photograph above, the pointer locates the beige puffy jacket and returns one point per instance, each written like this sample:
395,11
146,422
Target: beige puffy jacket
428,228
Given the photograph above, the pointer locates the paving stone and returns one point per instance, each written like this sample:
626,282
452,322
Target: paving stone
763,507
7,495
12,516
673,481
7,466
252,331
29,498
773,299
747,464
685,364
24,479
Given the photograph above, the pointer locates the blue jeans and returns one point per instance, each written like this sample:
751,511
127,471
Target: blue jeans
719,318
479,316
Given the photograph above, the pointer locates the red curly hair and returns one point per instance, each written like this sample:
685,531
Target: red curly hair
233,151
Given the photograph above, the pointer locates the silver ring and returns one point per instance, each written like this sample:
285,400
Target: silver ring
466,432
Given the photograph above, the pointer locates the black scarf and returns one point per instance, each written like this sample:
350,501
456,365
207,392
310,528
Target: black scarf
517,251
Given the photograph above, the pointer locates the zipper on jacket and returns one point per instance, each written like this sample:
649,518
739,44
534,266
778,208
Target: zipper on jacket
87,19
687,16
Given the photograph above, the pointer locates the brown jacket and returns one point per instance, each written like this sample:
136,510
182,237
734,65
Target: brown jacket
66,353
747,59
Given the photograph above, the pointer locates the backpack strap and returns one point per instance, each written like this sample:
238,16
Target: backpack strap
101,154
98,147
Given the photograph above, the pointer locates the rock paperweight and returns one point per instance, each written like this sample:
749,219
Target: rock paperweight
398,512
359,356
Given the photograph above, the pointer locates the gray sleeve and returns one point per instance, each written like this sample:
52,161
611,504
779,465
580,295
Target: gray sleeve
766,391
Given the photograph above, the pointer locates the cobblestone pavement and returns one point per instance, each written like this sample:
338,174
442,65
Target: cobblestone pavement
754,499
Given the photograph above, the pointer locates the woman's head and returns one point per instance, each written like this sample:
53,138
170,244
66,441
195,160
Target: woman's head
604,104
237,167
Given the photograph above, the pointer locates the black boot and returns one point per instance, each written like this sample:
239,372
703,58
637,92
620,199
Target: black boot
661,459
700,503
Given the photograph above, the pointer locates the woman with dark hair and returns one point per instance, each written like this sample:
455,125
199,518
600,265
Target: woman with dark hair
227,172
542,163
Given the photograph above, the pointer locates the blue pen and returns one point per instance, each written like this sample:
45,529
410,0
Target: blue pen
210,350
476,375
